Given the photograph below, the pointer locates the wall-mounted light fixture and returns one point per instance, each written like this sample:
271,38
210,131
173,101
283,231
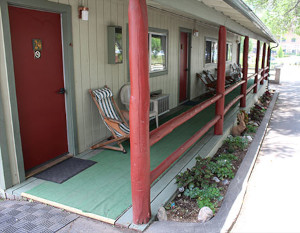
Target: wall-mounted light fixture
195,33
83,13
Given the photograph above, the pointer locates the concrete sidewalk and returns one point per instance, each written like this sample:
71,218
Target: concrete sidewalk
272,201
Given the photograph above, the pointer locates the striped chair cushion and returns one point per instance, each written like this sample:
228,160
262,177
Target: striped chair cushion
103,96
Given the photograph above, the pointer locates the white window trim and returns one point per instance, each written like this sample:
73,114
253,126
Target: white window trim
230,43
154,31
209,63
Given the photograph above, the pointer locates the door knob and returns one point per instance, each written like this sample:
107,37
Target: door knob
62,91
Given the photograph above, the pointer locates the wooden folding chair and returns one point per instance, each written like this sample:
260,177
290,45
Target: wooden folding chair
112,118
236,72
210,84
228,79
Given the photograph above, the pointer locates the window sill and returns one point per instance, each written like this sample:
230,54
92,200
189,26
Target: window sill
159,73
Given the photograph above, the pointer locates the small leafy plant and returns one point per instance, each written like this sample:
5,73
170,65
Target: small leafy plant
206,202
236,143
251,129
229,157
222,169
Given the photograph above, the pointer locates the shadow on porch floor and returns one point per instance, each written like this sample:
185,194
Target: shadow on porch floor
103,191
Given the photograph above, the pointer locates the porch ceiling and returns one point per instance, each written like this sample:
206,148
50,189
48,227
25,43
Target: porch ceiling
235,15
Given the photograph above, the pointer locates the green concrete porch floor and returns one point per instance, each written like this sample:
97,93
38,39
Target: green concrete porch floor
103,191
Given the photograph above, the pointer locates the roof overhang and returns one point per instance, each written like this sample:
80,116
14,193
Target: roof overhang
235,15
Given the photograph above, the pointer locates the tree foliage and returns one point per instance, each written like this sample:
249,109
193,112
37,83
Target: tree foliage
280,52
281,16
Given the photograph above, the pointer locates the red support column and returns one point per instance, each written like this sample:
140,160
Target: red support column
263,62
268,61
221,79
256,65
139,110
245,72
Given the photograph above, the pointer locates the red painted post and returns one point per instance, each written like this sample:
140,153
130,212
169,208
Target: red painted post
221,80
139,110
245,72
256,65
263,63
268,61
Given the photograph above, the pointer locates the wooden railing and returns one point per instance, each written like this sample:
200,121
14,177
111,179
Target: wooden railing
157,134
165,129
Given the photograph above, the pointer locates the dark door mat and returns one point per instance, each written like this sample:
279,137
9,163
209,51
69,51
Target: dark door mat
65,170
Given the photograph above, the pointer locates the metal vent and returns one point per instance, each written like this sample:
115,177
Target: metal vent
163,103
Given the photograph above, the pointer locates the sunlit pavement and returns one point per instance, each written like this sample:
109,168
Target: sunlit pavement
272,201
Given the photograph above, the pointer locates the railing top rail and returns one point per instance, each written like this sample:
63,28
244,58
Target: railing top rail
234,86
251,76
166,128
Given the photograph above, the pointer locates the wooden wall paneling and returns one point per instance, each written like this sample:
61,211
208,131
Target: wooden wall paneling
167,22
157,24
93,68
107,22
151,23
125,49
165,78
85,80
175,48
77,74
101,28
115,68
108,67
121,22
172,58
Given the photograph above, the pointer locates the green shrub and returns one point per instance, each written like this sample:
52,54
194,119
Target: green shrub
198,175
229,157
222,169
206,202
208,191
235,143
251,128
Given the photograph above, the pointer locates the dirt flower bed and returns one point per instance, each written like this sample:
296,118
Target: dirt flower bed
206,183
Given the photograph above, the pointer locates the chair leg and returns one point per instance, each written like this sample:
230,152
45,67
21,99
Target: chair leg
105,144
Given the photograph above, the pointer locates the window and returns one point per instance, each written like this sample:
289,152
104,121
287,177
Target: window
157,52
211,51
228,52
293,40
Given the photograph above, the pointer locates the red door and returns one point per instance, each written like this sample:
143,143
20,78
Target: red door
183,66
38,79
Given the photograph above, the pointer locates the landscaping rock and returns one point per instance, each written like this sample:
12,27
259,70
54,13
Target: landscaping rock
205,214
225,182
162,214
255,124
249,138
181,189
216,179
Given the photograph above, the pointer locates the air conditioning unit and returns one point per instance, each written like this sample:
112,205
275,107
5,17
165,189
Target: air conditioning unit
162,100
